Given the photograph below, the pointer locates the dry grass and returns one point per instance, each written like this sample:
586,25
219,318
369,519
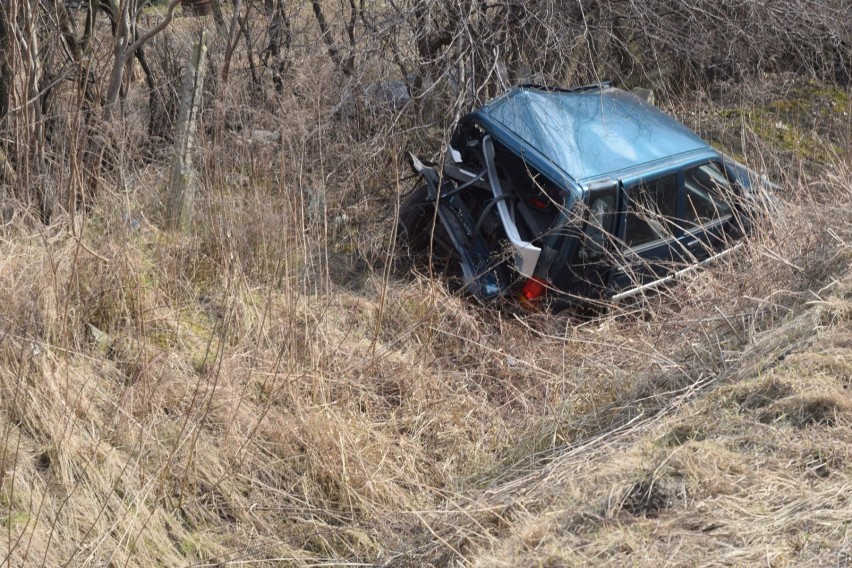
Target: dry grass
754,472
270,392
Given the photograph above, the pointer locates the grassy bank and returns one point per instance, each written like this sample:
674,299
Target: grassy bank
266,389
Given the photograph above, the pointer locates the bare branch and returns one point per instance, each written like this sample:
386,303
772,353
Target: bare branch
156,29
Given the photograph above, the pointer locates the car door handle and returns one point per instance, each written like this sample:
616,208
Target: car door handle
692,243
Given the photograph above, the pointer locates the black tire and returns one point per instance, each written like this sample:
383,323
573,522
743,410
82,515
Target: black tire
415,214
414,231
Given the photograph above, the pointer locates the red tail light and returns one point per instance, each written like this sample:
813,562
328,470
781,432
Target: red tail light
539,203
533,289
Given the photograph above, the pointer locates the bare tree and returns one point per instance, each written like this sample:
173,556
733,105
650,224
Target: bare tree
126,42
447,54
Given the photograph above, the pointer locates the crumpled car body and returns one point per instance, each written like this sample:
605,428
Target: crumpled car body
558,195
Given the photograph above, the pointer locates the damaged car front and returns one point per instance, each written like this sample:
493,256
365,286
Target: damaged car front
554,195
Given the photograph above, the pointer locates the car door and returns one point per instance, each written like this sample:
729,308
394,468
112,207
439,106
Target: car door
652,236
707,209
587,248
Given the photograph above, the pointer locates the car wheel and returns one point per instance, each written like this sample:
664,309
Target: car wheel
415,234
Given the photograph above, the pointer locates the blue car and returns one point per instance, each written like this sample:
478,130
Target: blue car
558,195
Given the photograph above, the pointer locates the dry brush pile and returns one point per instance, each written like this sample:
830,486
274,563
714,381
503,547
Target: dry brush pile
266,387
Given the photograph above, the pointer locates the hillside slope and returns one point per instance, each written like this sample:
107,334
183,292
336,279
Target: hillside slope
265,389
750,466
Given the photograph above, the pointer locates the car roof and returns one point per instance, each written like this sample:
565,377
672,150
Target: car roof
590,132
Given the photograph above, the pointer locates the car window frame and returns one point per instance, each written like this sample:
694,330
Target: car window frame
698,228
684,229
638,181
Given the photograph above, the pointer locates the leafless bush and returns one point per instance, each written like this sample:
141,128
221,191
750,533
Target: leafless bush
393,66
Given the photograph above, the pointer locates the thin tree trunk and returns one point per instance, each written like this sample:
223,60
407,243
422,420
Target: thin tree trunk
233,39
183,179
124,49
255,78
5,68
32,174
331,46
280,36
219,18
7,171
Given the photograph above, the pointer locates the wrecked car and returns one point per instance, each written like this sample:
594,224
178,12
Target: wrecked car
555,196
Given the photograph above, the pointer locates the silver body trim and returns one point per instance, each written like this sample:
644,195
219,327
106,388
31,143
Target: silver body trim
526,254
671,277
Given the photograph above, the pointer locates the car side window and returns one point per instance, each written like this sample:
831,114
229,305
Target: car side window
599,226
651,211
706,189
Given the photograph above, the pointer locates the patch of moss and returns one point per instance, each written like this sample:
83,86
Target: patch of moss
680,434
162,337
776,129
15,519
803,121
192,547
814,90
198,336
